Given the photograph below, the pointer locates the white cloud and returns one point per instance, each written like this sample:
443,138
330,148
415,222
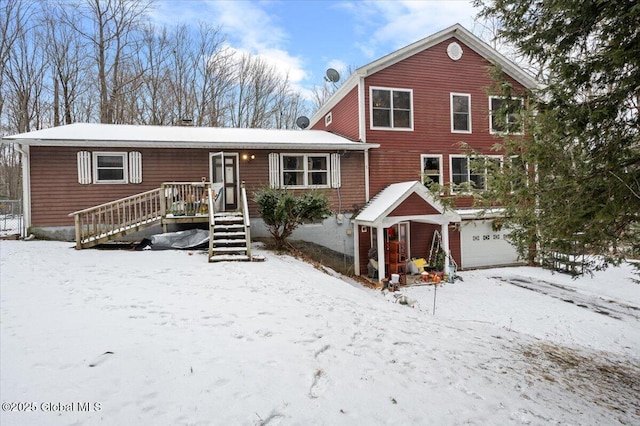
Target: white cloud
249,29
253,30
399,23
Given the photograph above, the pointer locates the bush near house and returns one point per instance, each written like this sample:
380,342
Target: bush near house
283,211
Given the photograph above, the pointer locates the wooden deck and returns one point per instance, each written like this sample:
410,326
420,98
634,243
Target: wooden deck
172,203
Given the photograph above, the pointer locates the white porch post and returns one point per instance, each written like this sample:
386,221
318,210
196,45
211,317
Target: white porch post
445,246
380,237
356,249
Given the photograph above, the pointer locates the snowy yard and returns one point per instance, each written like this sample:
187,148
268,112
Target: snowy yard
165,338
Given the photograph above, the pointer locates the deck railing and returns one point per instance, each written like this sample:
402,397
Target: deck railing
109,220
98,224
186,198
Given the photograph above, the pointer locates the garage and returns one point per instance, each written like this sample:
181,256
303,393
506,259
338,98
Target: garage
482,246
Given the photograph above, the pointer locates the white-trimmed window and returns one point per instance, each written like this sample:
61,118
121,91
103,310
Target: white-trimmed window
305,170
460,113
110,167
505,115
391,108
431,169
463,171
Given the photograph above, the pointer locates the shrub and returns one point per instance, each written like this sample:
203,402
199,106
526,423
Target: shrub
283,211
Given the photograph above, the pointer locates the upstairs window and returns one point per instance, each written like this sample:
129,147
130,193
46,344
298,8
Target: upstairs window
505,115
391,109
460,113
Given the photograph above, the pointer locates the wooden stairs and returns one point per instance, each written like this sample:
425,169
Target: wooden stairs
174,202
228,238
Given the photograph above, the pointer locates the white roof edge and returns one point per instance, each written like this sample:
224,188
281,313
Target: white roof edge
342,91
347,146
474,213
124,135
466,36
388,199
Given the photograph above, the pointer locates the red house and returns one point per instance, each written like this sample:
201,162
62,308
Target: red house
97,182
418,103
393,124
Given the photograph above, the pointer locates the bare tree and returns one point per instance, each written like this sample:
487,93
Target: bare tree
255,92
109,26
22,69
182,75
154,99
68,60
213,76
14,15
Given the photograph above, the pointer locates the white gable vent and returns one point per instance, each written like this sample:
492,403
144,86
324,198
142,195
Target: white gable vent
454,51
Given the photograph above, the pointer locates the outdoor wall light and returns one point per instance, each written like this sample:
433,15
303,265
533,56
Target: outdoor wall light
248,157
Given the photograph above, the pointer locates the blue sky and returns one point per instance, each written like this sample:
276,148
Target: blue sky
304,38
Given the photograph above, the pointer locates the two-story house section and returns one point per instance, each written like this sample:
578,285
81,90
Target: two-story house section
418,104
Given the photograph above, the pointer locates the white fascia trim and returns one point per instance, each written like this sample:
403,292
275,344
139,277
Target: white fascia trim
465,36
352,146
342,91
480,214
362,111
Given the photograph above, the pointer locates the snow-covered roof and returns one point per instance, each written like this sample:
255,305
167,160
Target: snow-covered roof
387,200
456,30
124,135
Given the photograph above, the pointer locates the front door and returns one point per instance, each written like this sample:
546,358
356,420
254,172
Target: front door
224,177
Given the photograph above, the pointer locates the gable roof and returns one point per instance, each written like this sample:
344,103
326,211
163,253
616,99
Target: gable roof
140,136
456,30
387,200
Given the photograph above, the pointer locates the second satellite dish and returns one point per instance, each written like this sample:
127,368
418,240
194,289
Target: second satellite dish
302,122
332,76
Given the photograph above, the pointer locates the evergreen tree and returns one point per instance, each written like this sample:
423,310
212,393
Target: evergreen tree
572,182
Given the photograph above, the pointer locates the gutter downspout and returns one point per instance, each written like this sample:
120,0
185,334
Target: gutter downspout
26,187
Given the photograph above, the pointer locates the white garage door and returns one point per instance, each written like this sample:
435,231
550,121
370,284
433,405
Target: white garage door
482,246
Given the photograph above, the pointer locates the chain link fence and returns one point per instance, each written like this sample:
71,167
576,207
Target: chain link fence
11,217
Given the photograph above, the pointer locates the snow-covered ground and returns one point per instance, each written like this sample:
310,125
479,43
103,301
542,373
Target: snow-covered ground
165,338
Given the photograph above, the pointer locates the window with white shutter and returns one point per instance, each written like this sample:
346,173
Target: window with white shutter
335,171
274,170
135,167
84,167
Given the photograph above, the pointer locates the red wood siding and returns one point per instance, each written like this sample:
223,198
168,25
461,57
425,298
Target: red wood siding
344,117
433,77
365,244
55,191
414,205
421,235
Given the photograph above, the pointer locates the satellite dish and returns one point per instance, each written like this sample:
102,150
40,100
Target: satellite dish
333,76
302,122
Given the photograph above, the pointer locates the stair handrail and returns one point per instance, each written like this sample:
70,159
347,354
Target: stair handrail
211,200
245,214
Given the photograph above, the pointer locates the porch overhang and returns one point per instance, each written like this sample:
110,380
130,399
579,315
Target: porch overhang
377,212
385,210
